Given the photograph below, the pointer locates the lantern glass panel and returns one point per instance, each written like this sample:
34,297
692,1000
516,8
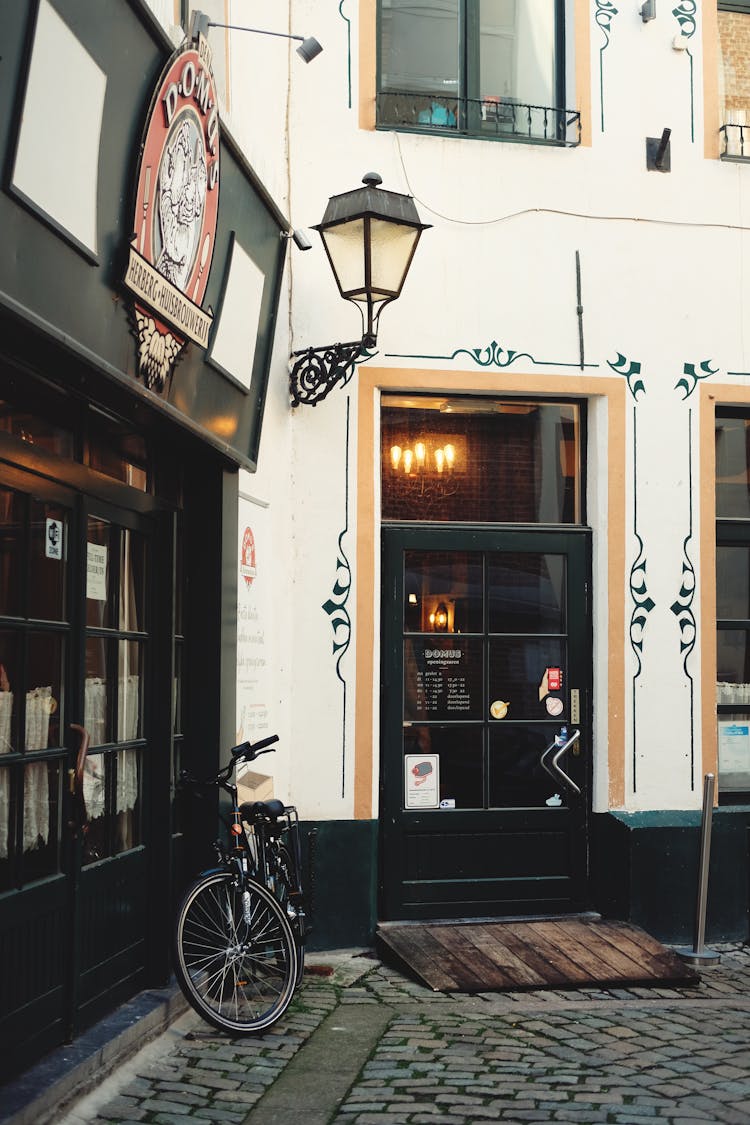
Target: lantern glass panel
345,245
392,247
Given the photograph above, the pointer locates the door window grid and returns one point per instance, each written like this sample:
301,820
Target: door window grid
451,679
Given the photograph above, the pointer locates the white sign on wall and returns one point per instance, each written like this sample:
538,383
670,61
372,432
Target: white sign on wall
254,623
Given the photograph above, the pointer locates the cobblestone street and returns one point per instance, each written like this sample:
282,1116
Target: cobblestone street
362,1044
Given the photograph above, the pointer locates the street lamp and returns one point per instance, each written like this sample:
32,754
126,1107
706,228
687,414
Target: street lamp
369,236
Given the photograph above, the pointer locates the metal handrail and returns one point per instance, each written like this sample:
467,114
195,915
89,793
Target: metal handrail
502,118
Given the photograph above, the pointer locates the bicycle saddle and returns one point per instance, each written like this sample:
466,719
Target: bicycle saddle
251,810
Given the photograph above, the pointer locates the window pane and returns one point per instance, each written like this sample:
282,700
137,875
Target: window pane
11,548
6,827
127,803
38,431
132,582
130,655
732,460
44,675
517,51
527,593
47,564
459,751
442,592
117,452
9,679
443,678
517,778
733,582
519,674
419,46
480,461
96,710
96,771
733,663
100,542
41,820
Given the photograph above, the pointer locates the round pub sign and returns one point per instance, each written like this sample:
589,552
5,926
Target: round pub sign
176,212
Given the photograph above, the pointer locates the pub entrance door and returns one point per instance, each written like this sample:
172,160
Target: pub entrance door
486,740
82,638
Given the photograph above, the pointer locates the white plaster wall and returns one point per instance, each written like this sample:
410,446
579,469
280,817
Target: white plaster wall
663,275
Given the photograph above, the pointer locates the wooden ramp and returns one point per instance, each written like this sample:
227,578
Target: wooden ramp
502,956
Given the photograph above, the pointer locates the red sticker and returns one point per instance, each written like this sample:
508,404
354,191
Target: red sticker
554,679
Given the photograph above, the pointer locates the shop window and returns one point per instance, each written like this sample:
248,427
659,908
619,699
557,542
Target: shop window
492,68
734,79
733,603
117,451
481,460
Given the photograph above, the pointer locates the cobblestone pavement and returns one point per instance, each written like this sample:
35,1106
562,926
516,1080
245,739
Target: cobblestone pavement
628,1056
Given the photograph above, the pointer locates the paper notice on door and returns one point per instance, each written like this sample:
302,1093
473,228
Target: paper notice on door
96,572
422,783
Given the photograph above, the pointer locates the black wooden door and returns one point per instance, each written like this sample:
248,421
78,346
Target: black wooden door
77,621
485,729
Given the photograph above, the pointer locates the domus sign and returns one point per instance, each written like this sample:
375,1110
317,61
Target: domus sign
176,211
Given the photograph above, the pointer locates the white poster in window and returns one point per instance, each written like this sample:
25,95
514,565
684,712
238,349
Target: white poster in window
734,747
254,623
422,781
96,572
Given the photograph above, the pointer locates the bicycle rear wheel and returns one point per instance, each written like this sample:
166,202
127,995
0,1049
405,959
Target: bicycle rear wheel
235,956
285,883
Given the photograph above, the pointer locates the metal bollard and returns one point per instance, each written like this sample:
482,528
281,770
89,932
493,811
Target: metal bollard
698,955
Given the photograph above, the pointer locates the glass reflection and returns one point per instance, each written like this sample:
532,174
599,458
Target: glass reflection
733,582
96,772
443,592
96,704
443,678
8,678
132,582
129,710
11,547
519,674
99,547
527,593
127,792
43,700
516,776
47,564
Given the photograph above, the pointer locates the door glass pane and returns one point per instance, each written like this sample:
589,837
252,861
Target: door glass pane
132,582
733,582
517,778
443,678
127,804
520,673
459,751
130,655
99,558
96,771
96,710
47,562
44,676
480,460
443,592
11,548
9,679
526,593
41,819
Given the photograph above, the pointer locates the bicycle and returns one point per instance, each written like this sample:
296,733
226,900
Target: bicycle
240,931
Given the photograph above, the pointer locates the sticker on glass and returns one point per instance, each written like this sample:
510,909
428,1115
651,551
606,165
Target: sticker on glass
422,784
498,709
552,680
96,572
53,540
554,705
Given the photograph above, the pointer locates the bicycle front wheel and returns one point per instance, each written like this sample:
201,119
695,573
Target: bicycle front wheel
235,956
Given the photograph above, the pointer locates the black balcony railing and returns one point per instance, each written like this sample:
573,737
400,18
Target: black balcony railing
497,118
735,142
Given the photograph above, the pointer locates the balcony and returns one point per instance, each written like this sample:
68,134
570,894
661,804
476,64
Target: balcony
489,118
735,141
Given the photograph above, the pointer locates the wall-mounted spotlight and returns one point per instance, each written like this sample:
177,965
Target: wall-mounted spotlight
308,49
299,238
648,11
369,236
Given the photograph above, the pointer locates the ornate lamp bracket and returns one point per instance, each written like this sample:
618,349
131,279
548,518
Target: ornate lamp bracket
316,371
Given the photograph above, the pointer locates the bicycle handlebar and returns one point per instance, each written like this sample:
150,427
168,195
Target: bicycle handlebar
246,751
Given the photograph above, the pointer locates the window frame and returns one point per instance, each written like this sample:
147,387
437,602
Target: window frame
469,47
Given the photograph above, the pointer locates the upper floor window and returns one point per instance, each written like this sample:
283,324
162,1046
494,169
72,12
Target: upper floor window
489,68
734,78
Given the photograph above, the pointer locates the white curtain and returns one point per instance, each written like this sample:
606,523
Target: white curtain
36,777
6,713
